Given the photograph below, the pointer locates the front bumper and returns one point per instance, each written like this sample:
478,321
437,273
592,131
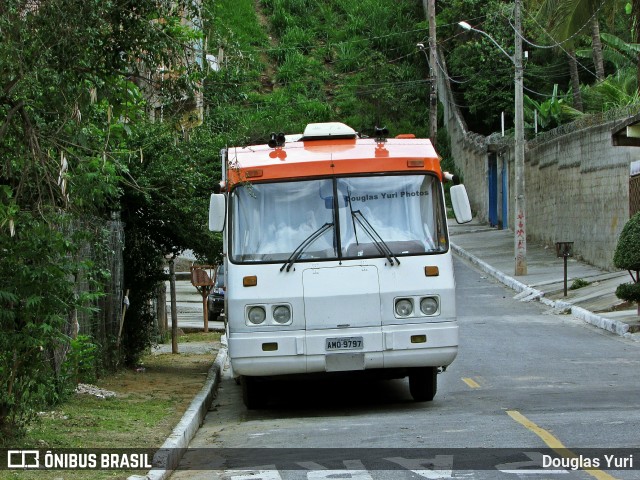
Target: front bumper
295,352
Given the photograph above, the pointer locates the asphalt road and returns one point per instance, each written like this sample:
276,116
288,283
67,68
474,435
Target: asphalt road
524,379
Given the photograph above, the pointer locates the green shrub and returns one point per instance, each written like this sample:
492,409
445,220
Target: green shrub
629,292
281,20
627,256
350,56
82,358
579,283
37,299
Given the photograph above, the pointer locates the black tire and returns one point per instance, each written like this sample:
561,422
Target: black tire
253,394
213,315
423,383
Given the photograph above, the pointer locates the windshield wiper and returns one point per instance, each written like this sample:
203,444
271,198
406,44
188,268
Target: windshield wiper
303,246
380,244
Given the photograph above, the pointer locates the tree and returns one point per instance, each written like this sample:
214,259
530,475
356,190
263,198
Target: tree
635,15
482,76
574,16
547,14
627,256
68,108
620,88
567,19
165,212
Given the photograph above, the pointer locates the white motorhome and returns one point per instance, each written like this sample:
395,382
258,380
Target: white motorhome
337,258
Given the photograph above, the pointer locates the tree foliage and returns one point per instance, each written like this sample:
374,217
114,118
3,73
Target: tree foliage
165,211
627,256
482,77
627,253
75,139
549,114
72,74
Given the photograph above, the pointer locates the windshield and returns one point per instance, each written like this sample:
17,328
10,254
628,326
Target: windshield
329,219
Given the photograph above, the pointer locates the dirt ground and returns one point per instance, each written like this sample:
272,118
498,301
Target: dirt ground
165,374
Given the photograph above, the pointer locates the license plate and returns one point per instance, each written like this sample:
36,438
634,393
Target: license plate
343,343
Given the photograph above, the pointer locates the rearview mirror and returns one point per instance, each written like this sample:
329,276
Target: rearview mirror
217,212
460,204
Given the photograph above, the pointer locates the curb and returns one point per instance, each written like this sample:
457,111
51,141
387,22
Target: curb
169,455
527,294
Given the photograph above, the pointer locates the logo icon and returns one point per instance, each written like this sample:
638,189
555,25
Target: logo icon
23,459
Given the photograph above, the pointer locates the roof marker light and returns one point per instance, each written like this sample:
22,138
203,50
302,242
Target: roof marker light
253,173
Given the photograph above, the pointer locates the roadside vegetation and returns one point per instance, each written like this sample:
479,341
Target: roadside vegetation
568,72
80,154
579,283
133,408
627,256
292,62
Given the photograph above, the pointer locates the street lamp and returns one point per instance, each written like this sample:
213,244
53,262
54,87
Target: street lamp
468,27
520,232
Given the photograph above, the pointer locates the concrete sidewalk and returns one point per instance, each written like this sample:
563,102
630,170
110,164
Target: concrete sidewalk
492,250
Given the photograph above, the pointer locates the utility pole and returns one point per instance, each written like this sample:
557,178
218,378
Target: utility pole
520,237
430,12
433,72
520,224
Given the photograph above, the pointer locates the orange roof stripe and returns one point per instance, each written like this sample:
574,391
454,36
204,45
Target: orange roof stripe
319,158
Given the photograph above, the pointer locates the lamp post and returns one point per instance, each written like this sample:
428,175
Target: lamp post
520,231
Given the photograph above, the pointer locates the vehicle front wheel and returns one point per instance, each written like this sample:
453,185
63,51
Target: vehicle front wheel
423,383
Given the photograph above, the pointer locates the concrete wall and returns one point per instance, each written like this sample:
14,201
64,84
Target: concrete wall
469,151
576,184
577,189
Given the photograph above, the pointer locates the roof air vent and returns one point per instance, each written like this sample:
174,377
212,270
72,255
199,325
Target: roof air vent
328,131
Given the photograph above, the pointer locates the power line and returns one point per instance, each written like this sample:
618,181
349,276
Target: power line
559,44
556,44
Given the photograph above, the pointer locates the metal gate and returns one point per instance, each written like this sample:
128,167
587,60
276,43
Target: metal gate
493,190
634,195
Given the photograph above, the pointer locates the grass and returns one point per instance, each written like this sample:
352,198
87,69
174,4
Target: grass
199,337
238,22
148,405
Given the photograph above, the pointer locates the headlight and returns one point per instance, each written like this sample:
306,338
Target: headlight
281,314
429,305
256,315
404,307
